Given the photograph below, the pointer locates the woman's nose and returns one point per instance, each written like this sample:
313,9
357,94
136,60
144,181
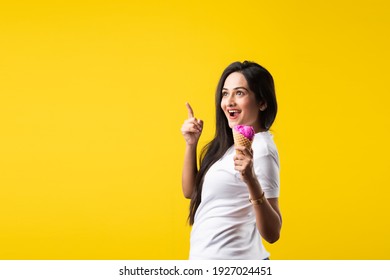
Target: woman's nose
231,101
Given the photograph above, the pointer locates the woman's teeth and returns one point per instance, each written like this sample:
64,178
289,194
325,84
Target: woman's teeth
232,113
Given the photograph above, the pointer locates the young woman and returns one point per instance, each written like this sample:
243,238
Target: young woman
234,196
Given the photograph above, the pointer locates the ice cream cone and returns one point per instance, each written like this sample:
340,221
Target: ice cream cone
241,140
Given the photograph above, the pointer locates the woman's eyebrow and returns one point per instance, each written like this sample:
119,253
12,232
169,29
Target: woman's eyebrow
236,88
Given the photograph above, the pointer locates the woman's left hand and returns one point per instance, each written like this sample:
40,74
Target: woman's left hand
243,163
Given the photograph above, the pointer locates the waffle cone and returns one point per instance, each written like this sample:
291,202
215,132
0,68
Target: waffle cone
241,140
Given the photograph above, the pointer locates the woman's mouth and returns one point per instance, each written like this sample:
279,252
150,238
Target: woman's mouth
233,113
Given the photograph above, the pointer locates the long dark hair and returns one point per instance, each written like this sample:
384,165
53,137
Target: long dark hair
261,83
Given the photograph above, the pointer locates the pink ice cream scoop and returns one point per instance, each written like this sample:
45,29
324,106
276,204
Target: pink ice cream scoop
243,136
245,130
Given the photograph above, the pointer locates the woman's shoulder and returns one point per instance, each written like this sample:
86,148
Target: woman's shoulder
264,145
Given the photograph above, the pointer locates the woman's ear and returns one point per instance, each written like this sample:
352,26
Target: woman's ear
262,106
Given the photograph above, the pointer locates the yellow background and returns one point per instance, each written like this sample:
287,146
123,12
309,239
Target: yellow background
92,98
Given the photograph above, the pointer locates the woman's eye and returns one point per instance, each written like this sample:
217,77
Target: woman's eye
239,93
224,93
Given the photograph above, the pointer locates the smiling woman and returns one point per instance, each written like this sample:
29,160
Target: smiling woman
226,225
239,102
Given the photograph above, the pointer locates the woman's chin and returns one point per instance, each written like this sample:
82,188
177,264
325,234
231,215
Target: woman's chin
233,123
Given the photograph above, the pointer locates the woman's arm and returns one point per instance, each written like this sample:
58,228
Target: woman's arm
189,171
191,130
268,217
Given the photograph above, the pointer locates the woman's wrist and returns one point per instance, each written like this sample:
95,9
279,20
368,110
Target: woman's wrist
254,188
191,146
259,200
250,179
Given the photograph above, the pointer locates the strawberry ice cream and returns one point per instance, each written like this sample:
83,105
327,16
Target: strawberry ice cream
243,136
246,130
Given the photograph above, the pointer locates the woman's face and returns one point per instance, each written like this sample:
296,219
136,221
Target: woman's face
239,102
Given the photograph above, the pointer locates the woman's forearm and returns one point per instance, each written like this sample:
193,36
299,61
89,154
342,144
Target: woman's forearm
189,170
268,218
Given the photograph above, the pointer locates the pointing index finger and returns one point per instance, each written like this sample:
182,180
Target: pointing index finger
190,111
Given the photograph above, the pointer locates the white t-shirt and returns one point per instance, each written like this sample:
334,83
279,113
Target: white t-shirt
225,222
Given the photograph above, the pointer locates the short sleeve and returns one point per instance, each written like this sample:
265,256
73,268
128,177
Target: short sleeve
267,172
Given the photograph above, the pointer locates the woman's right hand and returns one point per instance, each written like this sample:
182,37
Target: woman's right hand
191,128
